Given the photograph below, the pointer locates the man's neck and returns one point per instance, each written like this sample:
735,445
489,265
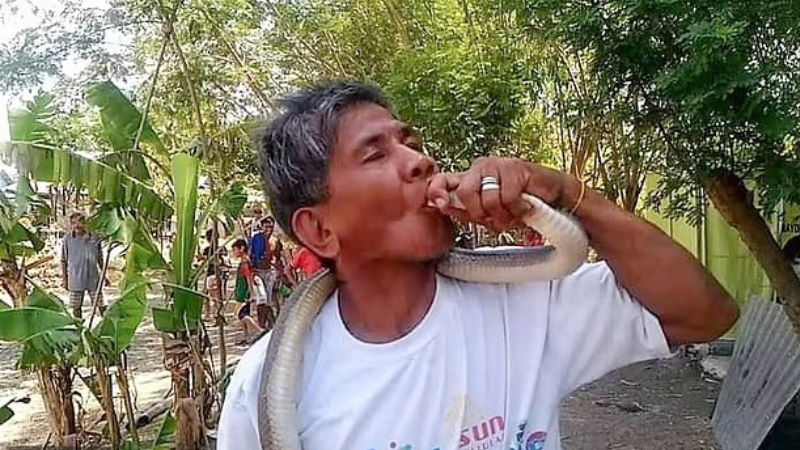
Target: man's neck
382,302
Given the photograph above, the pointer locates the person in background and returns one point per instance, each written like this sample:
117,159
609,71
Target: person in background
260,257
792,252
215,276
304,264
254,227
532,238
81,263
242,292
277,267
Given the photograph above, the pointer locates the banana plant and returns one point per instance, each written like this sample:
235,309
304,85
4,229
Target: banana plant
54,343
112,187
126,207
32,152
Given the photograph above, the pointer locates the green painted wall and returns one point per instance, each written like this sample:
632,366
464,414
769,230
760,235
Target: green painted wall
720,248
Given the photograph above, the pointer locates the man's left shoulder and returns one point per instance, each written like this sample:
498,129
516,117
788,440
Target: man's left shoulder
246,377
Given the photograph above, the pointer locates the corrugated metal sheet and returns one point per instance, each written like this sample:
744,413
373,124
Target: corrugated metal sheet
763,377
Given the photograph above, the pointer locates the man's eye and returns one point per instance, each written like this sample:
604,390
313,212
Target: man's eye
414,145
374,156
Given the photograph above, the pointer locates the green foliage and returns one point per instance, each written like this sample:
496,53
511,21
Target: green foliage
120,118
103,183
39,298
64,32
30,124
18,241
165,439
122,318
457,71
719,81
33,156
184,179
20,324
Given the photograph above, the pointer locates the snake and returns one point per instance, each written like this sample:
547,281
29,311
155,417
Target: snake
282,373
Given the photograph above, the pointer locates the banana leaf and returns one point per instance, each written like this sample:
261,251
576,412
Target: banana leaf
51,347
122,318
184,179
128,162
165,440
19,241
19,324
233,201
108,222
120,118
19,233
103,183
146,254
30,124
164,320
39,298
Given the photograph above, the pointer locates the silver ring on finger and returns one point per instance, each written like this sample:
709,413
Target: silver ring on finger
489,180
490,185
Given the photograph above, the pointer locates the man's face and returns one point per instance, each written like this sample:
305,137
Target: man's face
267,227
377,183
238,252
77,224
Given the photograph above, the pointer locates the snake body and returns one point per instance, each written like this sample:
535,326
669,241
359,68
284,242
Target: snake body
282,372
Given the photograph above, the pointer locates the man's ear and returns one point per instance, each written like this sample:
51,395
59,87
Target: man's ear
310,227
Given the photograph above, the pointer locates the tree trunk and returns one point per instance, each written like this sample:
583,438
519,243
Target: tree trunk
730,196
223,349
122,380
179,360
13,282
189,428
55,384
107,398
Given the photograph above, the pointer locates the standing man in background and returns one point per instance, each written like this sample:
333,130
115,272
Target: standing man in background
254,227
81,262
265,255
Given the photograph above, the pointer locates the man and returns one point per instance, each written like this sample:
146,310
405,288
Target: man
254,226
243,292
216,273
265,251
401,358
81,263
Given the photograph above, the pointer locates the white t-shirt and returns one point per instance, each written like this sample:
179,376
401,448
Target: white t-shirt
485,369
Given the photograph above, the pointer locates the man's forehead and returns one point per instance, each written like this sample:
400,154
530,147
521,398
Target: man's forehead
362,121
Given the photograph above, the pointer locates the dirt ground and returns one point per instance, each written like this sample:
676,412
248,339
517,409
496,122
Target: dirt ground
655,405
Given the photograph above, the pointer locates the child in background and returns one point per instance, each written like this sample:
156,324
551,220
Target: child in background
242,292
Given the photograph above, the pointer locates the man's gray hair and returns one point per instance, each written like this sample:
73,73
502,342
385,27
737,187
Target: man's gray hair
295,147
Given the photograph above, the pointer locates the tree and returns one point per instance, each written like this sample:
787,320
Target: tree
456,70
719,82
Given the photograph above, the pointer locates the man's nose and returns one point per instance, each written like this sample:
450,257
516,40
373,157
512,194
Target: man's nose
418,166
